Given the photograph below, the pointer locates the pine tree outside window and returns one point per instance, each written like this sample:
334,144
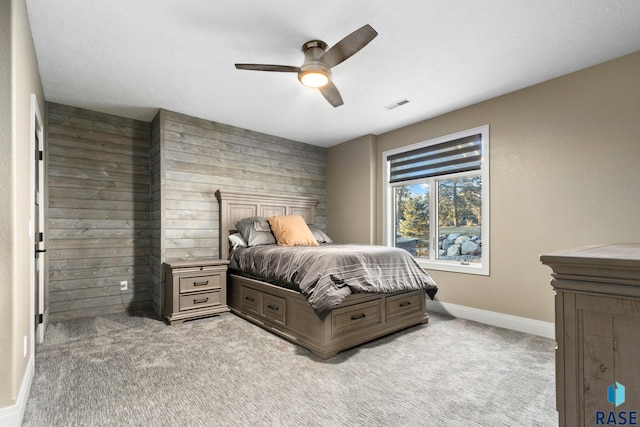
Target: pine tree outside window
436,201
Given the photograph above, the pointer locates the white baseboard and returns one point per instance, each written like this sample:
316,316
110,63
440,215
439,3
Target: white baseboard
12,416
522,324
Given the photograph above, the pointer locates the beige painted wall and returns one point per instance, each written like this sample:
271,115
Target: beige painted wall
16,250
6,292
351,191
565,162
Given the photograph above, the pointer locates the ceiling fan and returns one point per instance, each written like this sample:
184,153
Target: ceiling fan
315,71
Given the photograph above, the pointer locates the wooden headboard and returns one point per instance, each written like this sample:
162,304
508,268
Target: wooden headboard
236,205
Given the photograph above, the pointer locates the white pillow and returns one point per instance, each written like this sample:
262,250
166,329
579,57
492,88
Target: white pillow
236,240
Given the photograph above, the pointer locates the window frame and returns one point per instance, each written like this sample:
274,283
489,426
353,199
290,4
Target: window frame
388,212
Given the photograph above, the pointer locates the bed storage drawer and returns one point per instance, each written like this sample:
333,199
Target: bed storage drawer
350,319
263,305
251,299
401,305
199,300
274,308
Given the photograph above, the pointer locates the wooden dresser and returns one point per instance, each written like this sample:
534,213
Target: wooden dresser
598,333
195,288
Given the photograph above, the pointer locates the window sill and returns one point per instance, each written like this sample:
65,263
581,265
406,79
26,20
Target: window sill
454,267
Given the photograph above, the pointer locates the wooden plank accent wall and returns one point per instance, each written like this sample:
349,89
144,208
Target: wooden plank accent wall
192,158
99,213
125,195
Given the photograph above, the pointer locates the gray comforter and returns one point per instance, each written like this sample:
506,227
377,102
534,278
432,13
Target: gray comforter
327,274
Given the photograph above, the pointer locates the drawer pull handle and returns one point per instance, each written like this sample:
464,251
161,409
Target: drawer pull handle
405,304
206,282
200,301
360,316
250,299
274,308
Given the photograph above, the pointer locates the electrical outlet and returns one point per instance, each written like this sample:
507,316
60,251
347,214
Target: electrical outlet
124,285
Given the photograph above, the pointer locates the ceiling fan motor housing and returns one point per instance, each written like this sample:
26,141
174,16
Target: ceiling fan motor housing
313,50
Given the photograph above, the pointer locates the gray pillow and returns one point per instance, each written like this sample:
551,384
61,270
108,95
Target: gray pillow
256,231
320,235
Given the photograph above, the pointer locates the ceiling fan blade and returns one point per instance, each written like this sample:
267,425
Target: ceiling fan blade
267,67
348,46
331,94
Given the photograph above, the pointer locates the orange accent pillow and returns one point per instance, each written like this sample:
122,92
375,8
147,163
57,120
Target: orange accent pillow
291,230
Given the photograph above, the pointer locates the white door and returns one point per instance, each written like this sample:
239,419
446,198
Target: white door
38,221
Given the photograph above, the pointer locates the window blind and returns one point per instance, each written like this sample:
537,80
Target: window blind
459,155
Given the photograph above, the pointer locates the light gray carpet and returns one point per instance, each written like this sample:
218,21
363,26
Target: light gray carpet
130,370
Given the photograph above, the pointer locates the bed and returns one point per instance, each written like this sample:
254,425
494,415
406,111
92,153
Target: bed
287,311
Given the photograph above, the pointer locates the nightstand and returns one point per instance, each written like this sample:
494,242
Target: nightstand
195,288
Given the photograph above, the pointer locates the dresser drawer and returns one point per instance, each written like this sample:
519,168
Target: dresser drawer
200,299
274,308
350,319
251,299
200,283
405,304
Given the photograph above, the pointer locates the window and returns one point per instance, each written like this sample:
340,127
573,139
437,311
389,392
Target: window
436,201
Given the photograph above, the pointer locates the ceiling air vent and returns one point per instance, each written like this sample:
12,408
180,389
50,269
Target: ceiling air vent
397,104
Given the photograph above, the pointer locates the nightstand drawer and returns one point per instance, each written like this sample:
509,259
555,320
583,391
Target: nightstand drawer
200,299
200,283
273,308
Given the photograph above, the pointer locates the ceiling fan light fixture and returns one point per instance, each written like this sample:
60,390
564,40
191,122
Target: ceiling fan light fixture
314,78
315,71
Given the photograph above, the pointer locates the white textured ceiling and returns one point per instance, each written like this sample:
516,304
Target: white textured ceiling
131,57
